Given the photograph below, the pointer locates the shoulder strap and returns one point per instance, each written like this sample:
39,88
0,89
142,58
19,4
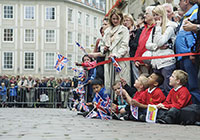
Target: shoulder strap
153,32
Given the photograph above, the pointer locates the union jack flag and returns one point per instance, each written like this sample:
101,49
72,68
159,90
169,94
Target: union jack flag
74,69
116,65
81,47
60,62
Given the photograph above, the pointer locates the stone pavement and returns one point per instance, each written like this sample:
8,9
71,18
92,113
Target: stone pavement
62,124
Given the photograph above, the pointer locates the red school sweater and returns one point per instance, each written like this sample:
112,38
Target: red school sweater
138,95
178,99
154,98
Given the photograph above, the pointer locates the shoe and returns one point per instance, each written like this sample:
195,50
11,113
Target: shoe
80,113
121,118
142,118
126,117
161,121
197,123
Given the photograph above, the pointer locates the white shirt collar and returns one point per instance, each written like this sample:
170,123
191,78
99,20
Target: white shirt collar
177,88
150,91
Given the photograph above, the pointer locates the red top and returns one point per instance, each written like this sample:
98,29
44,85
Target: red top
137,96
178,99
153,98
142,41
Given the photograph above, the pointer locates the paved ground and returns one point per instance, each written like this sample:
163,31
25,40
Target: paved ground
62,124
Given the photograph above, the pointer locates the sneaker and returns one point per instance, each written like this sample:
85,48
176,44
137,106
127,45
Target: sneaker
142,118
121,118
161,121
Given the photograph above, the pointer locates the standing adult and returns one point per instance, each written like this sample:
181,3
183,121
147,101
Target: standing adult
115,44
133,43
160,43
150,23
185,42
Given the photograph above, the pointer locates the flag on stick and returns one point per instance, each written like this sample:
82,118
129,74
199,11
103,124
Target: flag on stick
81,47
116,65
60,62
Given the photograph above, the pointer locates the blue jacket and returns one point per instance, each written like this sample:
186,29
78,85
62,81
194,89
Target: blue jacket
13,91
101,94
185,40
3,91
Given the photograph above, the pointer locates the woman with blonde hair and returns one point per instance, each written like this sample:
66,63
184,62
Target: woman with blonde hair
115,44
160,43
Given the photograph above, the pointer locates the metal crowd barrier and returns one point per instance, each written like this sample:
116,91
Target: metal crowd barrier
38,97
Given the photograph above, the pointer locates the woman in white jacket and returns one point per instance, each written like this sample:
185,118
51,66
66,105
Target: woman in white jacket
160,43
115,44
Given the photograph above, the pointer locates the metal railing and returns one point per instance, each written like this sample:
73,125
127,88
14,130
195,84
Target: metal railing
37,97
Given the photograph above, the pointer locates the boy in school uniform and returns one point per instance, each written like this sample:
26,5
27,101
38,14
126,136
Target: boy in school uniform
178,97
141,84
153,95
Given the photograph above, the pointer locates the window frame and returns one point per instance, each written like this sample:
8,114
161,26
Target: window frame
4,12
54,58
54,35
26,6
3,64
47,7
25,36
13,35
26,69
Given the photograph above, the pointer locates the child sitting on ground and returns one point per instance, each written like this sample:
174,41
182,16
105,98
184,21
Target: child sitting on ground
153,95
141,84
119,104
177,98
100,106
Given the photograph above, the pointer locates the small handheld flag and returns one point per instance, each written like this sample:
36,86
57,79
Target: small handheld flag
74,69
60,62
116,65
81,47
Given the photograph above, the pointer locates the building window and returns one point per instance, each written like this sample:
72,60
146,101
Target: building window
79,17
8,12
8,60
95,22
69,37
87,41
29,35
50,13
79,38
87,20
50,36
69,63
70,13
8,35
29,61
29,12
102,5
50,60
94,3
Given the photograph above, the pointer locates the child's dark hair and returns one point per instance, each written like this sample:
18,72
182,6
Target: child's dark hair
97,82
160,78
87,56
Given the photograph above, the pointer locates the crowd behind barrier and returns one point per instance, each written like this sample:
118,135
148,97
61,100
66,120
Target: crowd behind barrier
34,92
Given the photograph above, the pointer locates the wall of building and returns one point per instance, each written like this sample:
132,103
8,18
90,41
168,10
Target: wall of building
50,36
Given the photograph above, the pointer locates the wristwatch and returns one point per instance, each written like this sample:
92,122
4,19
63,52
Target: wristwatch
198,27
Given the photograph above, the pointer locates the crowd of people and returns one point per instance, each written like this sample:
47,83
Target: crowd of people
24,91
170,83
